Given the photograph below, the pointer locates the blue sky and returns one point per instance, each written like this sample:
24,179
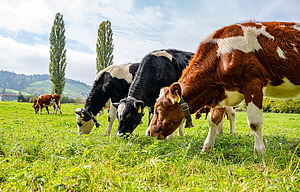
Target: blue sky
139,27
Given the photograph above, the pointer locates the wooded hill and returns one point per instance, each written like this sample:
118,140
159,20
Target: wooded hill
39,84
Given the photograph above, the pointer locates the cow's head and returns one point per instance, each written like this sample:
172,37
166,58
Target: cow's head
168,114
35,106
84,121
129,114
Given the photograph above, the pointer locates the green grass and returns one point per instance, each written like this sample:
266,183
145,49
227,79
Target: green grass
44,153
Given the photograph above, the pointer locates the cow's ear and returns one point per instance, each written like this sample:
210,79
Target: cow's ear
139,105
175,93
78,111
116,105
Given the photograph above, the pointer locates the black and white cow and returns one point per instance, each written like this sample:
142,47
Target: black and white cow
110,85
158,69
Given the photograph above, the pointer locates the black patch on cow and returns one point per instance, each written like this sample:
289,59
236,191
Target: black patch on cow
154,73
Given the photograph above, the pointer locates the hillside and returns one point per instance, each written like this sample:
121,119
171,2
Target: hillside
71,89
38,84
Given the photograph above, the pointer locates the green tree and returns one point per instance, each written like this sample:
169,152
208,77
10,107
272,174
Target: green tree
58,62
104,46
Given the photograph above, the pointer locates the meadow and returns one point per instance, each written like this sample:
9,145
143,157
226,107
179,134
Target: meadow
44,153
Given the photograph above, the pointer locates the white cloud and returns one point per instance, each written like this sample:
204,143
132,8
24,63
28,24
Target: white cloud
34,59
23,58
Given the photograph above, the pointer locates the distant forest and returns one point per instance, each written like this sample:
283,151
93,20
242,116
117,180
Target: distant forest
11,80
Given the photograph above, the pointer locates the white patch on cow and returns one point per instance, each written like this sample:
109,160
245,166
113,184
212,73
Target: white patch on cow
246,43
254,114
162,53
255,122
280,53
121,108
286,90
259,24
297,26
233,99
117,71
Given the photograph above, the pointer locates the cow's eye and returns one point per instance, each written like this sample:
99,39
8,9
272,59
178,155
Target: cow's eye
128,116
159,109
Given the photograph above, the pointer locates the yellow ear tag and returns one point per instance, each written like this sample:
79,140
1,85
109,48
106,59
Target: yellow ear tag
178,97
140,109
81,115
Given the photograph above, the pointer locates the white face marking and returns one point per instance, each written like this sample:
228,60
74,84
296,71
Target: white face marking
121,108
297,26
86,127
286,90
280,53
162,53
233,99
246,43
117,71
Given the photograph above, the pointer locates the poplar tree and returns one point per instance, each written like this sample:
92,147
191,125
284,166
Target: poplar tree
104,46
58,62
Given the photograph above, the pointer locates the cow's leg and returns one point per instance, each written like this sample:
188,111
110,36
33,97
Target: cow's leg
54,109
151,114
111,118
215,118
180,130
40,108
253,98
220,126
231,117
47,109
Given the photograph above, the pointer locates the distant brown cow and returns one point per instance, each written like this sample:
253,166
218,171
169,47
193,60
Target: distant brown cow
46,101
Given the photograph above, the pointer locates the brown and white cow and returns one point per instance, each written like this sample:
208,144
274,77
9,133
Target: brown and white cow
46,101
239,62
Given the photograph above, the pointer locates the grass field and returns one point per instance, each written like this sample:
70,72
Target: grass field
44,153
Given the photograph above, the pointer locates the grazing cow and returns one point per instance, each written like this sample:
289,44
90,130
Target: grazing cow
46,101
158,69
110,85
239,62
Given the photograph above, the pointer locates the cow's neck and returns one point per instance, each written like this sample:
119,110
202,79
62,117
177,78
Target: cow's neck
197,98
143,86
201,86
96,100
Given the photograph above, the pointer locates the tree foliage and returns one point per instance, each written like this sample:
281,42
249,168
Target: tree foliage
58,62
104,46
